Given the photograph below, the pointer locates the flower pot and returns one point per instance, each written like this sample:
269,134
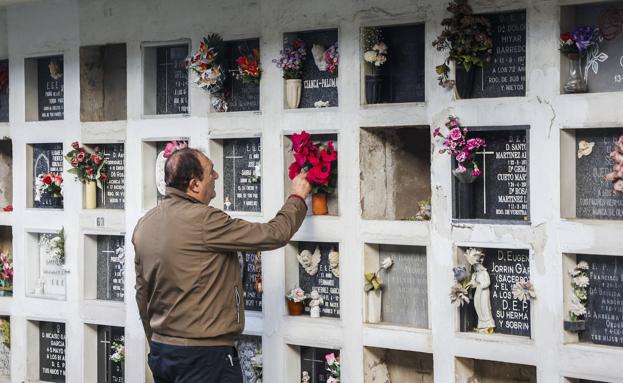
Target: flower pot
576,83
465,207
575,326
319,204
295,308
293,92
57,201
464,81
91,193
374,83
374,305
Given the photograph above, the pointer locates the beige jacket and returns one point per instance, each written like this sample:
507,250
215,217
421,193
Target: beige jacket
188,283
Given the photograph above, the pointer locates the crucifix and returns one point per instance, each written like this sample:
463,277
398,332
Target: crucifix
166,64
484,178
234,157
108,253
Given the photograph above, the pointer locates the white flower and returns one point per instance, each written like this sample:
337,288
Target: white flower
381,48
577,308
524,291
370,56
574,272
585,148
459,295
581,281
582,265
387,263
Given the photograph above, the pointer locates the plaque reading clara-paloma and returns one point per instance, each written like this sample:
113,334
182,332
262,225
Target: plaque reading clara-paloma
594,195
171,80
47,159
505,74
52,352
110,267
319,84
326,280
501,192
112,193
50,84
241,174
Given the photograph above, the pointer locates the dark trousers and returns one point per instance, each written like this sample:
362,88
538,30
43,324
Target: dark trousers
190,364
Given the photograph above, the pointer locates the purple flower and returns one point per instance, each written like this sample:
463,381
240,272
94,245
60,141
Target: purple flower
460,169
583,37
436,132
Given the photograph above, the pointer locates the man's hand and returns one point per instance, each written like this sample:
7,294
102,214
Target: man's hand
300,185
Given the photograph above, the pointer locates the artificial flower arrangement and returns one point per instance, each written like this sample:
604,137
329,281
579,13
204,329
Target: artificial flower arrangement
579,282
6,271
459,292
372,280
295,299
56,245
333,367
466,37
616,176
374,49
332,58
291,59
577,42
50,183
319,160
257,365
249,70
206,63
118,349
458,145
523,290
87,166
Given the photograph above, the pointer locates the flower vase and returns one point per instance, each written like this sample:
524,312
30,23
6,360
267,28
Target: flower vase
374,305
295,308
576,83
319,204
464,81
57,201
91,193
293,92
465,207
374,83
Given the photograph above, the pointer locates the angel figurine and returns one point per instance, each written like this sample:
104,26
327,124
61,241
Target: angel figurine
309,261
334,262
480,281
318,53
305,378
314,304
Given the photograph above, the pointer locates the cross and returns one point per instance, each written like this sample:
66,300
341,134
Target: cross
166,65
233,157
108,254
484,178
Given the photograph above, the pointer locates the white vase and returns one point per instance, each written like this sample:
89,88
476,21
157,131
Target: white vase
374,305
293,92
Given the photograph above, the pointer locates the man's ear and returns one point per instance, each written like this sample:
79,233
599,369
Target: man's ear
193,185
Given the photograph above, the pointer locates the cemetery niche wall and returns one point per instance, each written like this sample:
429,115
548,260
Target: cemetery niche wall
45,168
395,173
103,82
240,95
385,365
502,191
44,81
4,90
6,174
165,78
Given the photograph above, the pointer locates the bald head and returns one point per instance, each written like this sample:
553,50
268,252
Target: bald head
182,166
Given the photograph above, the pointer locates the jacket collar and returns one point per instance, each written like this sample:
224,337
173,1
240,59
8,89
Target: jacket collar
176,193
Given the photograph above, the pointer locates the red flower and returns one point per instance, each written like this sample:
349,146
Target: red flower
301,158
75,145
74,162
96,149
314,157
96,159
89,171
80,157
319,174
58,180
47,179
300,140
103,177
564,37
295,169
328,154
8,208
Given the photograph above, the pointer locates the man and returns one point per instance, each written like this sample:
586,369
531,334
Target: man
188,283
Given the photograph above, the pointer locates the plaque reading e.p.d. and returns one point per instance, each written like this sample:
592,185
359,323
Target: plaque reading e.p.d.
594,195
319,84
50,83
112,193
326,280
171,80
110,267
241,174
52,352
47,158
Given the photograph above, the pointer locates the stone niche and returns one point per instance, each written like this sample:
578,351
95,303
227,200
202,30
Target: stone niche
5,348
6,247
240,96
505,267
154,187
602,64
604,304
320,273
165,78
585,193
301,359
112,193
6,173
46,351
104,267
486,371
288,158
101,363
250,351
395,173
238,162
385,365
403,73
4,90
46,272
42,159
405,284
103,83
44,88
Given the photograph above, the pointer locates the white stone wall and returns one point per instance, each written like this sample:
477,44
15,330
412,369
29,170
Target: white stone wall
61,26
